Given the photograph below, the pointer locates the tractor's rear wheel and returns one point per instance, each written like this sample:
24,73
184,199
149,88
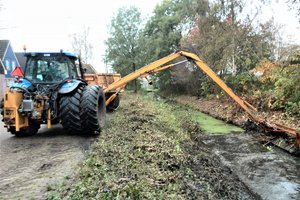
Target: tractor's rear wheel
69,109
93,109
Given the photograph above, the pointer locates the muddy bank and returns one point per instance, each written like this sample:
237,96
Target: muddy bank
271,173
268,171
210,168
31,166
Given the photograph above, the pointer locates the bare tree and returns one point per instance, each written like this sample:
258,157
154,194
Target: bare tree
82,46
294,5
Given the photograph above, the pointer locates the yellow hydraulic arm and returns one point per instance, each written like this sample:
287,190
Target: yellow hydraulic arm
158,66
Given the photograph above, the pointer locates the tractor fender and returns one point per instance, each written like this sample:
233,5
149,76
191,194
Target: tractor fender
69,86
22,83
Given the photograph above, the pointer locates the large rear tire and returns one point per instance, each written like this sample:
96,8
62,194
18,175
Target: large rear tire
93,109
69,109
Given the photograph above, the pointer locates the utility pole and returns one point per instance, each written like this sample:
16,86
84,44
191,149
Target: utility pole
104,59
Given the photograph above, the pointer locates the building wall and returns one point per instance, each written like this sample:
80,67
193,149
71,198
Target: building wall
4,82
1,68
2,85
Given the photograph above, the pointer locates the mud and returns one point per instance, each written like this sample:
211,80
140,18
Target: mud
31,166
267,171
211,171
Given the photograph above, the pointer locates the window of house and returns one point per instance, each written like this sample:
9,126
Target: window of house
13,64
7,65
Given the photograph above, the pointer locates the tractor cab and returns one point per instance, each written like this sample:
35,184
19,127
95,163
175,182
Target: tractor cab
51,68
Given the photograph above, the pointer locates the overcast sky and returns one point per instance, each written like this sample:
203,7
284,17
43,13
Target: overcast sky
46,25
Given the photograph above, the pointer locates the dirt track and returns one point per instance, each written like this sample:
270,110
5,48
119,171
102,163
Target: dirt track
31,166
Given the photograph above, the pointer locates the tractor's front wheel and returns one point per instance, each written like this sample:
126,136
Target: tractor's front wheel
93,109
32,129
2,106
